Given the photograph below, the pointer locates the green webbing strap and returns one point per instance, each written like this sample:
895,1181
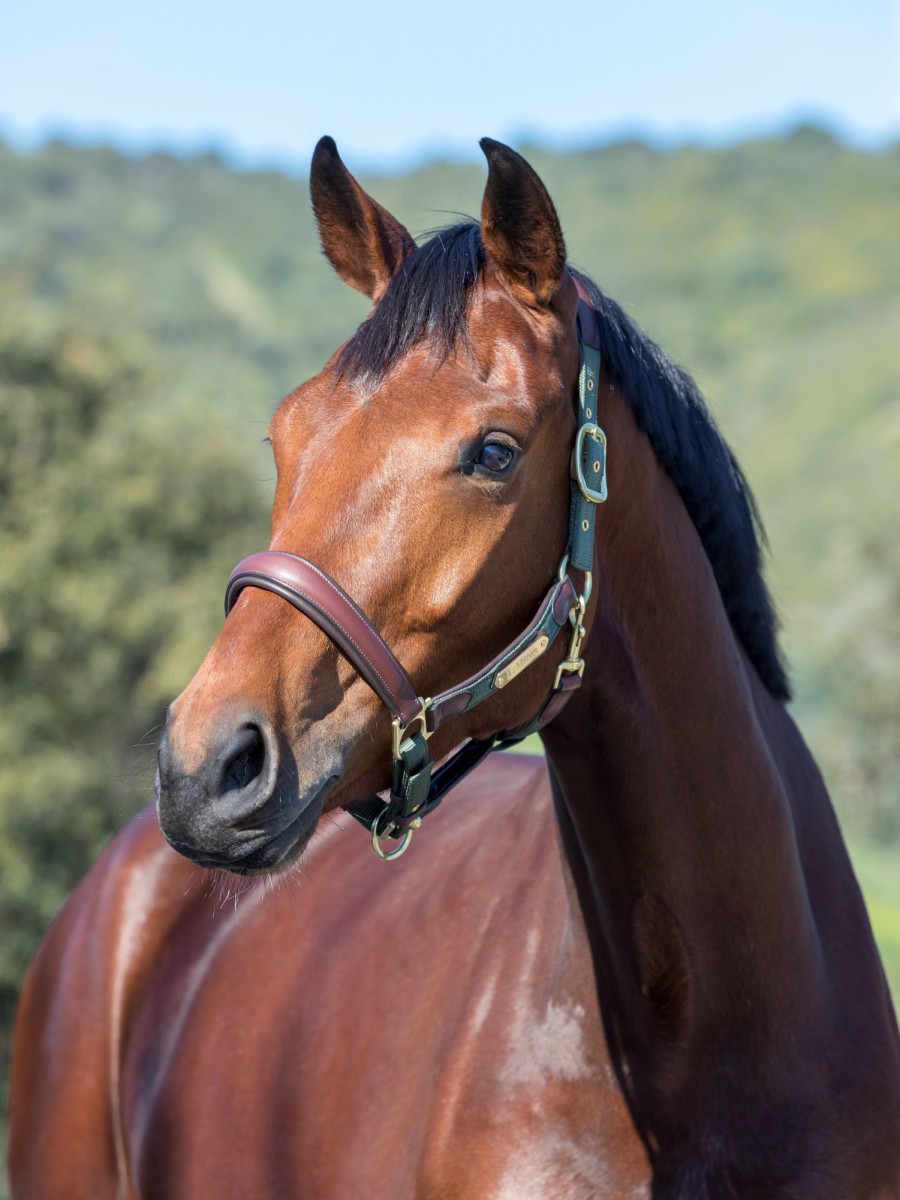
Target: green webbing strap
411,780
483,685
414,793
588,464
410,788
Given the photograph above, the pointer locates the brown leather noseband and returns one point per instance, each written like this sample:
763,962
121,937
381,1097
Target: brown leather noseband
416,788
318,597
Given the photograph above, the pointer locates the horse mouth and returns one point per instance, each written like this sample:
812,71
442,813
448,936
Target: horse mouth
243,851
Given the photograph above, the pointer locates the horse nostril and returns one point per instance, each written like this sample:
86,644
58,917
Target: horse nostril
243,760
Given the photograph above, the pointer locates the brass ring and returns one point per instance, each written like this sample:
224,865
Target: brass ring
389,855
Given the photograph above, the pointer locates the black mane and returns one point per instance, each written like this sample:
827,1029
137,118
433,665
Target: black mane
428,298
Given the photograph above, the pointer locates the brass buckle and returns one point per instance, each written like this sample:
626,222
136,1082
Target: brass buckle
399,731
593,495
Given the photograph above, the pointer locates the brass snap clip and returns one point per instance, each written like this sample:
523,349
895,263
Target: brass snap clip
573,663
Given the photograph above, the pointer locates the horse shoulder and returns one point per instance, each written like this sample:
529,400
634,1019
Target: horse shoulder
66,1135
449,996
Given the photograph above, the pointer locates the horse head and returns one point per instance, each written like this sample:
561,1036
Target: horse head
425,469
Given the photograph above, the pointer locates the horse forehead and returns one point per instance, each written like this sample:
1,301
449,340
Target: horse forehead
353,424
503,366
506,357
502,331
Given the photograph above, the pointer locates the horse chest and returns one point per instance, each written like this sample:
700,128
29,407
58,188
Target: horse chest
496,1104
546,1121
290,1048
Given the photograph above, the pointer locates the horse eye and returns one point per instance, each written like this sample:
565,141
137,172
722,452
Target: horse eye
495,457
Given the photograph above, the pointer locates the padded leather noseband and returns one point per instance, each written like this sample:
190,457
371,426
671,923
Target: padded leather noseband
325,602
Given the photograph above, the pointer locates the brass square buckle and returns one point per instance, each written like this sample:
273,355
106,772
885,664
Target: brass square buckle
399,730
594,492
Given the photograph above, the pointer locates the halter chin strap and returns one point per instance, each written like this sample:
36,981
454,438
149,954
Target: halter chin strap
416,788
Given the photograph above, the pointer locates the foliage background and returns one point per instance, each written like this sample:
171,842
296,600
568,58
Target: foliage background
154,309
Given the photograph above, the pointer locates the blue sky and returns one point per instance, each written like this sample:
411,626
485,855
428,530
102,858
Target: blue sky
264,79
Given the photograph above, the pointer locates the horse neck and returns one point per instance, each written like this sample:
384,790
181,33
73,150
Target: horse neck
675,776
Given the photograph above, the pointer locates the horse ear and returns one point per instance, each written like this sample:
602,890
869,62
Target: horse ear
361,240
519,226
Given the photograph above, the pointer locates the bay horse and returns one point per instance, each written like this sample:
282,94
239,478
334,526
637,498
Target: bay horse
640,968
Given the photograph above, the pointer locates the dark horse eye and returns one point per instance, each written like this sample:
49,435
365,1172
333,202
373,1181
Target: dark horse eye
495,457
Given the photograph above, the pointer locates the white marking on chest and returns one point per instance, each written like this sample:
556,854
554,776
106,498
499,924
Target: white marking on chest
557,1166
551,1047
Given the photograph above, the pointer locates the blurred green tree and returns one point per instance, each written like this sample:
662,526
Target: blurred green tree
153,308
861,679
116,530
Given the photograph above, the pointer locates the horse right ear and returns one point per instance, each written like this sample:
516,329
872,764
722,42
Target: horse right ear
361,240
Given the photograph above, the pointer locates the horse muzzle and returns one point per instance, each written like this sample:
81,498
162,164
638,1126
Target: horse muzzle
242,809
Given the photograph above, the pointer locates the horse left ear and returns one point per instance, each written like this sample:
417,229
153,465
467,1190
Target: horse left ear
361,240
519,226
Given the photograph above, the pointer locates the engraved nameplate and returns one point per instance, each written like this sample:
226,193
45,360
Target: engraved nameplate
521,661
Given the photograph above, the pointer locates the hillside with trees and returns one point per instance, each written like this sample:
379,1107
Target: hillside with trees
153,310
